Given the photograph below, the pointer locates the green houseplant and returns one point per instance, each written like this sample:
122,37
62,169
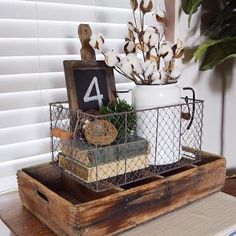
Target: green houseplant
218,26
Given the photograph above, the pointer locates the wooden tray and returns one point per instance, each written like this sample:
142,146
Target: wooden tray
68,208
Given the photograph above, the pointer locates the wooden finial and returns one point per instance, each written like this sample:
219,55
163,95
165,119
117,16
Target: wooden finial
86,51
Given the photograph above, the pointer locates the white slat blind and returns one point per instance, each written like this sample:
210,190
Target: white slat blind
35,38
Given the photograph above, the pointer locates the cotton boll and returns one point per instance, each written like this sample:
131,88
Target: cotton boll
179,52
154,39
161,13
130,26
129,47
138,68
133,60
153,53
100,41
161,29
161,16
93,42
146,37
165,48
179,43
134,4
156,78
168,43
163,77
96,41
166,52
175,74
145,64
155,75
111,58
151,29
178,49
150,69
168,57
146,6
132,30
146,2
126,66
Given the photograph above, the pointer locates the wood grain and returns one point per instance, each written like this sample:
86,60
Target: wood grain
86,51
230,186
71,214
62,134
22,223
53,212
143,203
74,65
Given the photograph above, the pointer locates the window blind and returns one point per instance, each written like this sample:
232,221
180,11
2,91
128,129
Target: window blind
35,38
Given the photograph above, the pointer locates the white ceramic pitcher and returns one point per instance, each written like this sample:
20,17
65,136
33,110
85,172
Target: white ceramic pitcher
159,120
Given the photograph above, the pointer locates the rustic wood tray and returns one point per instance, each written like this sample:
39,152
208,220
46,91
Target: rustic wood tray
70,209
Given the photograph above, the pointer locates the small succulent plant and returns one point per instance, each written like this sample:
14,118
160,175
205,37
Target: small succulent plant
122,117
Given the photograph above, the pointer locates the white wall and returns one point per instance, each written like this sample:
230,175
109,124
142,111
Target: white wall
209,87
230,120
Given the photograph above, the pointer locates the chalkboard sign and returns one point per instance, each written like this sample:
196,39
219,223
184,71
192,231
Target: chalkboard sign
90,84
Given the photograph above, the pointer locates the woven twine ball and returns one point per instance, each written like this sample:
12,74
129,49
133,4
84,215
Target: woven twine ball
100,132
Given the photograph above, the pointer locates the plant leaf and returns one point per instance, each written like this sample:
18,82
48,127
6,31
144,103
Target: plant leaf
201,50
227,31
192,7
225,17
216,52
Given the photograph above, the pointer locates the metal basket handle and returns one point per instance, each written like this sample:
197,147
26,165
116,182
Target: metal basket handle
188,115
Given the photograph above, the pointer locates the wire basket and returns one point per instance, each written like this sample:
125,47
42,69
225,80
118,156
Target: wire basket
101,151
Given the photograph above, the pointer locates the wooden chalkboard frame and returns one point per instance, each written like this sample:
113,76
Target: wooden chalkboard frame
71,65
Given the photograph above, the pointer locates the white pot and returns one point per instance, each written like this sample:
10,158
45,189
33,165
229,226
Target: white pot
160,126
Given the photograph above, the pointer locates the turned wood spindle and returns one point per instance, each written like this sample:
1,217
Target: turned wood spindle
86,51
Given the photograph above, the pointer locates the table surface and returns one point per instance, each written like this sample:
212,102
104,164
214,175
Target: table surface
22,223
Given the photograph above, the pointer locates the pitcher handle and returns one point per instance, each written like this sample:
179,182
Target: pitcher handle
193,107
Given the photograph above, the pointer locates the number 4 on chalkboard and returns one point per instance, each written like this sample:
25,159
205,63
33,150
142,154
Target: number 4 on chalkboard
90,84
98,97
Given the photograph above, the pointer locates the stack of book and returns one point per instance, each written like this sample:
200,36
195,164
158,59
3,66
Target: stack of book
92,163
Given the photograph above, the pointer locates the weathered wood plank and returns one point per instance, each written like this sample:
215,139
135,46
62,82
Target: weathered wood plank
142,204
49,207
70,209
87,52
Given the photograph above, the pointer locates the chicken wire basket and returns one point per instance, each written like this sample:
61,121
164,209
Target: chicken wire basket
101,151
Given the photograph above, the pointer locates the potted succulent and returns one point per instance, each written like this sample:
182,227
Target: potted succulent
150,62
